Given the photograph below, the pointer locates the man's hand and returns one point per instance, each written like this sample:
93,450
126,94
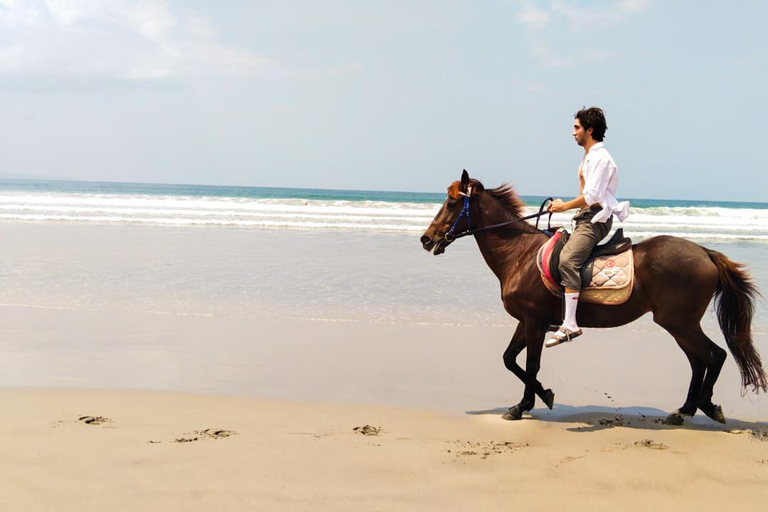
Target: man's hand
556,206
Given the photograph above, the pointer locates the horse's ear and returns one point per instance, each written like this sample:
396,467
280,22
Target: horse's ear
465,178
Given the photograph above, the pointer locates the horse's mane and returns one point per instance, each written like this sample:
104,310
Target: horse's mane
508,198
505,195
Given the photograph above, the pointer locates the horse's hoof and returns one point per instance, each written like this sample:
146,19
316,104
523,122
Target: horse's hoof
514,413
549,398
675,419
715,412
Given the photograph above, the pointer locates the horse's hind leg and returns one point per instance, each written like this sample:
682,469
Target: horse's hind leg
714,366
688,409
516,345
696,344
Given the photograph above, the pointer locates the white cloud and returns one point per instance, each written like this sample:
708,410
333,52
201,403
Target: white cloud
120,39
11,58
197,26
152,19
575,16
547,22
548,59
66,11
20,14
231,60
533,17
578,19
634,5
147,73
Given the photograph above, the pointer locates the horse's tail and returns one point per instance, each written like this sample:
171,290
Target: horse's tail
734,299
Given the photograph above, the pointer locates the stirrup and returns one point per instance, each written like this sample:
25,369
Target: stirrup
562,335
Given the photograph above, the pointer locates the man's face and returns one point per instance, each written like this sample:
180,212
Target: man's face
580,135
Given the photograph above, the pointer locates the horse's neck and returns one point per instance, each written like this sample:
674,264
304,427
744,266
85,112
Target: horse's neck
507,249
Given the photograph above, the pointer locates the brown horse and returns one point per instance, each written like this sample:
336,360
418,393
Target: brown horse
674,279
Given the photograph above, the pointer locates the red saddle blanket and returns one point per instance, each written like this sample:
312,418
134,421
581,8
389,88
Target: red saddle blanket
607,279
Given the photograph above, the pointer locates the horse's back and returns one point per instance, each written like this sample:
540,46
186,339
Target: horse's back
673,269
672,253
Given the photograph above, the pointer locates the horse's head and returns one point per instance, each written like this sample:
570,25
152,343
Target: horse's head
449,220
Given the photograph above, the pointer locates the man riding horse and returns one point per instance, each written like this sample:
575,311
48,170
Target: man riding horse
598,179
674,279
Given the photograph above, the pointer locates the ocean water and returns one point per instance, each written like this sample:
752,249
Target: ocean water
288,253
329,210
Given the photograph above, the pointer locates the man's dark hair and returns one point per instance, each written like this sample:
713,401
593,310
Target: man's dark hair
593,117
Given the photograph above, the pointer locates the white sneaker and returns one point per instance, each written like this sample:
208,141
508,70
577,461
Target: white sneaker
562,335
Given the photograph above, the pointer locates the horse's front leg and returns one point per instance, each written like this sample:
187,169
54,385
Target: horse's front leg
516,345
534,341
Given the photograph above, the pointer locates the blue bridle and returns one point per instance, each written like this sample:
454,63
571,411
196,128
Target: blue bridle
450,236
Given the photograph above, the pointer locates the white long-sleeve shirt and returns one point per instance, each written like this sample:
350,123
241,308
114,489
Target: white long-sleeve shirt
601,177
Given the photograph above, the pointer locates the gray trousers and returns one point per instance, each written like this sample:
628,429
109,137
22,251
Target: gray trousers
583,240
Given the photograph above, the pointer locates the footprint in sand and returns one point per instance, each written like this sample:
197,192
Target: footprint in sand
88,420
648,443
94,420
368,430
569,458
484,450
200,435
618,445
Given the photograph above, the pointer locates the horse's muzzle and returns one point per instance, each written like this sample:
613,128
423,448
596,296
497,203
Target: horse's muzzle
429,244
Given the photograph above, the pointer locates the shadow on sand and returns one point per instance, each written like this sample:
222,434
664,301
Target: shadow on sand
591,418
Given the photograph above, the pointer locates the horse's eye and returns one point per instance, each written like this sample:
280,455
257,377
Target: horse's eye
451,204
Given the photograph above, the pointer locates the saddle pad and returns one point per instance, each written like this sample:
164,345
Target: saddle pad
611,281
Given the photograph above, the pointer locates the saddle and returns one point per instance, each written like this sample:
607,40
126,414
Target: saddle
608,273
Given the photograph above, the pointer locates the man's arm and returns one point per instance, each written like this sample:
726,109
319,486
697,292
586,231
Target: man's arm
559,206
594,189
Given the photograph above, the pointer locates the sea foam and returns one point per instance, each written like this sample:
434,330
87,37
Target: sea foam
695,222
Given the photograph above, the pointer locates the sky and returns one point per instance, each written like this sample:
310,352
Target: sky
386,94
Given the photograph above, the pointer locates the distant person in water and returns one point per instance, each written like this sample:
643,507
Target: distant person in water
597,204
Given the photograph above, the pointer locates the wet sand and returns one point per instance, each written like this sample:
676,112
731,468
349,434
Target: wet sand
453,369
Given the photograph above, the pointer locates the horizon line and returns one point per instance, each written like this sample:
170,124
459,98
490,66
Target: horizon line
76,180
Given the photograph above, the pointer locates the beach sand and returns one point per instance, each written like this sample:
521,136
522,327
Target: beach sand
182,334
161,451
436,392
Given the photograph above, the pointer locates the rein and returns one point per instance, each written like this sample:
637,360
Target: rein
450,236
